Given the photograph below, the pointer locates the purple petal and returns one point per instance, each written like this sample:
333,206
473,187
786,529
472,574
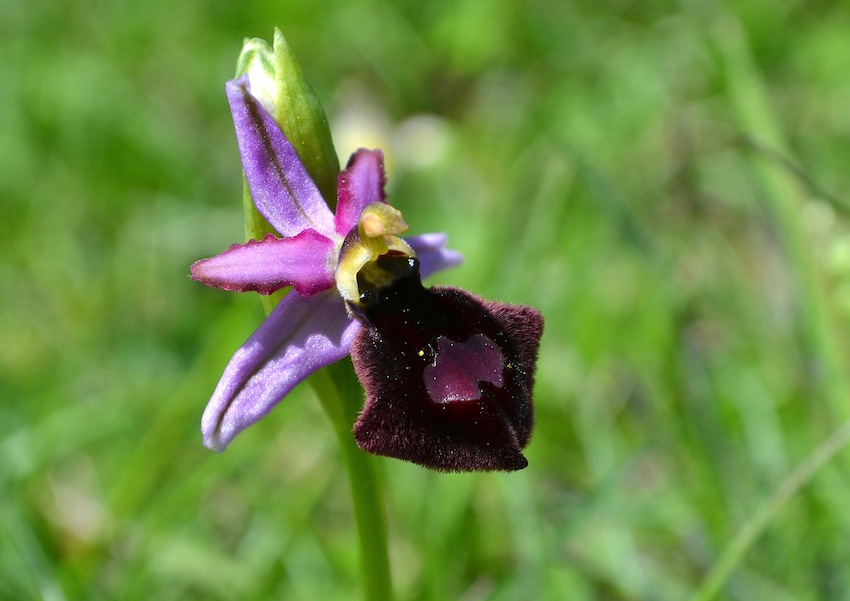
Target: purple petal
280,186
302,335
432,253
303,261
360,183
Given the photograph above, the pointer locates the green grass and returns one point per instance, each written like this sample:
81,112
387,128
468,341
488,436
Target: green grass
665,181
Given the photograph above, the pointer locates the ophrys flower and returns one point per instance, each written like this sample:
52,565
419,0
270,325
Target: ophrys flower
448,376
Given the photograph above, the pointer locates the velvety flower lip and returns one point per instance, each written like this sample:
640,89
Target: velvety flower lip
311,327
457,394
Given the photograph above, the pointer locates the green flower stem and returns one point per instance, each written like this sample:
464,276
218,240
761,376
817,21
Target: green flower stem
340,394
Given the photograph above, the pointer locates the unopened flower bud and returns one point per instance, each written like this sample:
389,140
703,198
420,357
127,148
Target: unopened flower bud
277,82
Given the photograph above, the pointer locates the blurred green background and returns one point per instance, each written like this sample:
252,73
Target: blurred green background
665,180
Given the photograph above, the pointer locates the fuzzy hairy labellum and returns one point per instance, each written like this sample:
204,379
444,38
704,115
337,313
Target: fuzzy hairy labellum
448,376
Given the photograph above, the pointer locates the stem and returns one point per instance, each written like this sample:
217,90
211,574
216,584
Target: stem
337,390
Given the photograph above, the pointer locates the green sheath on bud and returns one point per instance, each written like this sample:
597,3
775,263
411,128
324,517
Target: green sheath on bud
278,83
303,121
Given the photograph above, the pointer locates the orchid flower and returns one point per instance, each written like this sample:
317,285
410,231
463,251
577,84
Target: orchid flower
447,376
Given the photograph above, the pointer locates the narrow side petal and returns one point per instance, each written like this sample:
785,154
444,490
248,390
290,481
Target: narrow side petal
280,185
302,335
267,265
360,184
432,253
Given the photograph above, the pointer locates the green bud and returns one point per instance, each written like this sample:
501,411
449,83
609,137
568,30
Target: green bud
257,60
303,120
278,83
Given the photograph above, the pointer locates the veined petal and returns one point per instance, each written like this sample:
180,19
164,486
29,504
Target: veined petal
360,184
280,185
303,261
432,253
302,335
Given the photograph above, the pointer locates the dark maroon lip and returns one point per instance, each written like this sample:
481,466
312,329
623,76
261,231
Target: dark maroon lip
448,377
